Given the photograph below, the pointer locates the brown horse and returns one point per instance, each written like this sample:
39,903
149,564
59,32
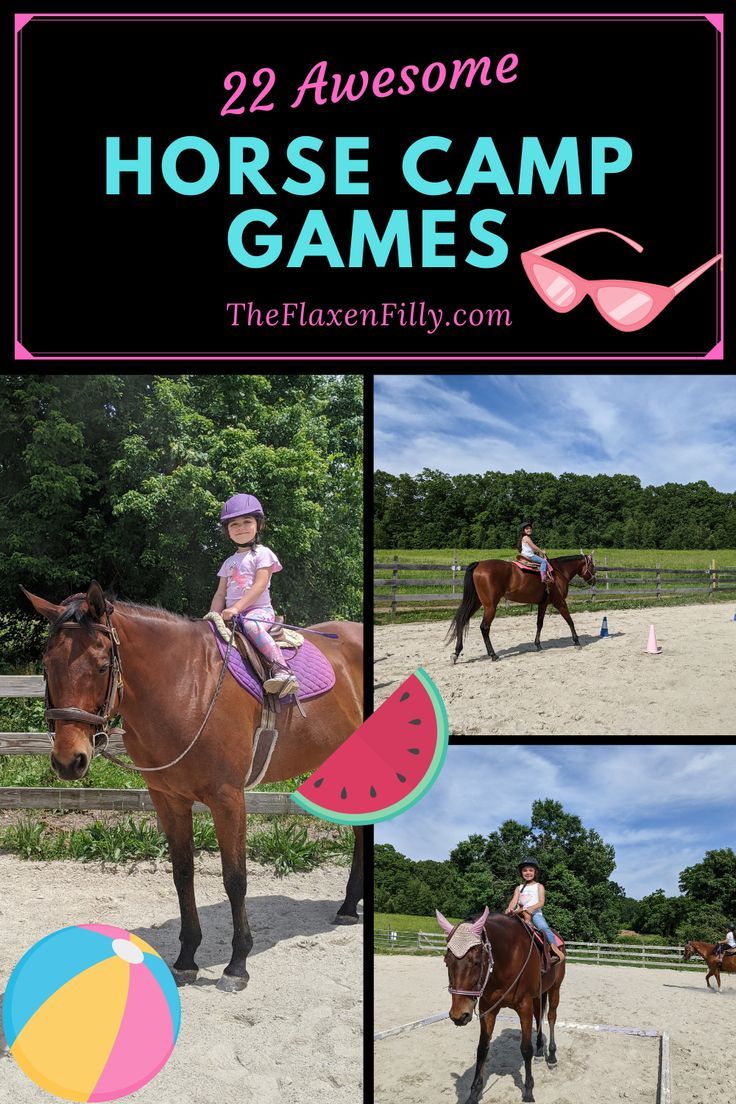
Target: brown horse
705,950
499,966
488,581
171,667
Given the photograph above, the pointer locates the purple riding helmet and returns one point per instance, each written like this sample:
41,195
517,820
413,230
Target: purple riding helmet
240,505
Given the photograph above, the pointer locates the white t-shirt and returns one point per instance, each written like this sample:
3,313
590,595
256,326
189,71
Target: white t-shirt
730,939
529,894
240,572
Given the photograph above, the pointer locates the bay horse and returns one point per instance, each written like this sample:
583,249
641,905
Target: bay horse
705,950
488,581
171,667
499,966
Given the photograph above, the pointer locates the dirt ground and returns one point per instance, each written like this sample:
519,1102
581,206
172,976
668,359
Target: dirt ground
608,687
295,1034
437,1063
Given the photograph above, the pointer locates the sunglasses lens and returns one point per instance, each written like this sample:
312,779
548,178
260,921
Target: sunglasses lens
627,306
553,286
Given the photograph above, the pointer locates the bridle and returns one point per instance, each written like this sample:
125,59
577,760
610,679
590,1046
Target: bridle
486,955
590,566
476,993
102,720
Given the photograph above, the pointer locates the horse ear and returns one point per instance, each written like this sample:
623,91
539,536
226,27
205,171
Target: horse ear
480,923
46,609
96,601
444,924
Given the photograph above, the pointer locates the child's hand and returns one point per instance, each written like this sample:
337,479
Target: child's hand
229,613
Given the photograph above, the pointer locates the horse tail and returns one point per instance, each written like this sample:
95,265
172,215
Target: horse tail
467,607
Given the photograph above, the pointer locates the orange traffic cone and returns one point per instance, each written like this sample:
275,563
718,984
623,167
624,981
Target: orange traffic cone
652,647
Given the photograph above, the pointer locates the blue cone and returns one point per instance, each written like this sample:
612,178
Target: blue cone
734,617
604,627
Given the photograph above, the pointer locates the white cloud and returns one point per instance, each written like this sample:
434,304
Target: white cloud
660,428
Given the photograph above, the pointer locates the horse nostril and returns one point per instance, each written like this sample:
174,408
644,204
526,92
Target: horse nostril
79,764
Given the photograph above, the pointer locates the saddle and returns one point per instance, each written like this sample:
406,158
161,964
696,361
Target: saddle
266,734
544,948
535,568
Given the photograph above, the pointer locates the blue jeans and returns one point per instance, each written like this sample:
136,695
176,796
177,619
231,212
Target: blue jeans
541,924
543,569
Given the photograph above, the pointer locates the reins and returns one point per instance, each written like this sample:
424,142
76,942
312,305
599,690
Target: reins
115,689
487,950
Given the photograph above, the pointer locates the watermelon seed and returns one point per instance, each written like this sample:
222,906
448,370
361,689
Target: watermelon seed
373,791
415,722
343,793
400,777
318,782
413,751
404,696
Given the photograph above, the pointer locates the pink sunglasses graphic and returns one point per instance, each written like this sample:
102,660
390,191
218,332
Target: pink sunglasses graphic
626,304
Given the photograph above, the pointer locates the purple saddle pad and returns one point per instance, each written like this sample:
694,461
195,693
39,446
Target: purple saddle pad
312,669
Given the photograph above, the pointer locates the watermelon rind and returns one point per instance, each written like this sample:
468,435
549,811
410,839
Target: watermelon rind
418,792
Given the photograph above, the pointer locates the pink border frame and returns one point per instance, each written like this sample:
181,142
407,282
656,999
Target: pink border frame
21,353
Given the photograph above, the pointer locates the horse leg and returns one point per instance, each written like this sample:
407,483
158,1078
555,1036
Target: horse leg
527,1050
487,1023
539,1007
489,612
554,1000
562,608
175,815
228,814
348,910
710,974
542,608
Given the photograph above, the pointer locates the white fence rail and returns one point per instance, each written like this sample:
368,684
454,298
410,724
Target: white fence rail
602,954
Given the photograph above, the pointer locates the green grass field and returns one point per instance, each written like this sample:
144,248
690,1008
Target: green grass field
639,576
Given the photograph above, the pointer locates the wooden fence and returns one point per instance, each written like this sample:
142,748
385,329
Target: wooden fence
611,583
65,798
601,954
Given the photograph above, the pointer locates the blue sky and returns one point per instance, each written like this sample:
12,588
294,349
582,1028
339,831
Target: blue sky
661,807
676,429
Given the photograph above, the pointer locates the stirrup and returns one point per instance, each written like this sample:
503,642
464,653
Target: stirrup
280,682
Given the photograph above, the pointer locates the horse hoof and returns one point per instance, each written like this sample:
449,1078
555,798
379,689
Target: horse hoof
454,660
495,658
345,918
229,983
184,977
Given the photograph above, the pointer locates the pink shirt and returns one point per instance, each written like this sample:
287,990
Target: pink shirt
240,572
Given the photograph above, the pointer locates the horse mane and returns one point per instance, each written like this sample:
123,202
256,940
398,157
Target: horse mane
74,612
564,559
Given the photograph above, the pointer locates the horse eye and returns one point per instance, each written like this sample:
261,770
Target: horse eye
105,667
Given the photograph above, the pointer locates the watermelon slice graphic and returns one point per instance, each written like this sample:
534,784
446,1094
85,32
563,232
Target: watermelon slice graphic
388,763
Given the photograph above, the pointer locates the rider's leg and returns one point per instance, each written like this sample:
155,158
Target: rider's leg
252,622
541,924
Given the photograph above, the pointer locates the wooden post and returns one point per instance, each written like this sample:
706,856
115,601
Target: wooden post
454,569
394,583
605,564
658,581
713,579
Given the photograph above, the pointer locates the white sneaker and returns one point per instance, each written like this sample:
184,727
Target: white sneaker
281,682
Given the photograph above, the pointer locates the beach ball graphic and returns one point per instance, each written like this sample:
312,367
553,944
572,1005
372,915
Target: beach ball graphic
91,1012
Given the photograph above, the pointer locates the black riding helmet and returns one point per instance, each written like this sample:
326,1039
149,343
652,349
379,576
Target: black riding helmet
529,862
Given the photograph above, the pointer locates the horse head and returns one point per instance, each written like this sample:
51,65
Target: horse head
466,958
587,568
689,950
81,672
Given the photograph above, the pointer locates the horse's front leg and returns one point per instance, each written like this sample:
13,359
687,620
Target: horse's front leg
487,1023
348,910
561,606
541,610
175,815
228,813
527,1050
